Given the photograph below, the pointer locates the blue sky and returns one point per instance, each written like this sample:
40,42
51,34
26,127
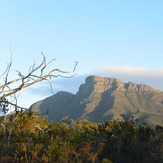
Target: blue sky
120,38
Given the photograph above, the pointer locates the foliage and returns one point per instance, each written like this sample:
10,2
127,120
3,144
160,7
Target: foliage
26,137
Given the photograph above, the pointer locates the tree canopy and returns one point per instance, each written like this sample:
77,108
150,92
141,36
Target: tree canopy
26,137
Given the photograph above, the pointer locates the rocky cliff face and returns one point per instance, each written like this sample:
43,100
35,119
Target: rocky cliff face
100,99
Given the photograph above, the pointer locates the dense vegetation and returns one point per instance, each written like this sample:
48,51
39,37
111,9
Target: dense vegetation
26,137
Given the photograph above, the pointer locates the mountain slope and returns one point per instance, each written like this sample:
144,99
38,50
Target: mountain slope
100,99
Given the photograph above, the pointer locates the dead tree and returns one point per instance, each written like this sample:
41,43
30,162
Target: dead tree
9,88
35,75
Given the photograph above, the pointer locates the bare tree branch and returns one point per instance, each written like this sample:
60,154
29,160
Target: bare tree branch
35,75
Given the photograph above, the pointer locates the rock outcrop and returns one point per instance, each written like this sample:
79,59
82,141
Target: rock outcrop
101,99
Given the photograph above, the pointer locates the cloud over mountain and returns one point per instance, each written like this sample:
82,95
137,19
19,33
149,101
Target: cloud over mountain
124,73
130,73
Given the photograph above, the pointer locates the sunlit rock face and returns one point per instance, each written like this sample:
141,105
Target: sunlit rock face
101,99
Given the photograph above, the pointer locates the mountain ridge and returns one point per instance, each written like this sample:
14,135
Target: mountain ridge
100,99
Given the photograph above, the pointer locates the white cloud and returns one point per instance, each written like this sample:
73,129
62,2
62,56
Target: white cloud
129,70
139,75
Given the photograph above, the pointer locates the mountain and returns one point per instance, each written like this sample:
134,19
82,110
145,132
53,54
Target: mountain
101,99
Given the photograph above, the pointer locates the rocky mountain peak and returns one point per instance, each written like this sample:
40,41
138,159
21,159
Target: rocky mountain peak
99,84
100,99
130,86
102,80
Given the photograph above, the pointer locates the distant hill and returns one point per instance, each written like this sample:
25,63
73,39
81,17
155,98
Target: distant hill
101,99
